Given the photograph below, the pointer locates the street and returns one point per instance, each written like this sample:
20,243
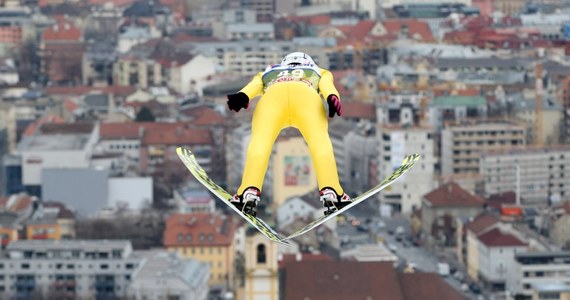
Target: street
372,228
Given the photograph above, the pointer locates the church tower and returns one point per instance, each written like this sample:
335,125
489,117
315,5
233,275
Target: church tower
261,269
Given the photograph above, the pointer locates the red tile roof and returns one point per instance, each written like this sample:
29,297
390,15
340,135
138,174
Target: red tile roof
15,203
198,230
497,200
64,212
415,27
62,30
481,222
135,130
345,280
427,286
178,136
451,194
116,3
66,128
49,119
203,115
496,238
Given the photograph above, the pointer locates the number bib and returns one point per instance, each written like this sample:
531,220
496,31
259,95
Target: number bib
274,74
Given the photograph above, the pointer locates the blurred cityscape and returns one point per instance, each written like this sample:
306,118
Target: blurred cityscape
97,95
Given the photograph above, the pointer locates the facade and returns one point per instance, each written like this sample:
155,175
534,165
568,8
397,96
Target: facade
67,269
543,173
552,120
394,143
455,109
61,52
292,172
244,57
194,200
463,145
256,31
560,225
261,269
497,248
443,205
207,238
536,270
42,151
164,275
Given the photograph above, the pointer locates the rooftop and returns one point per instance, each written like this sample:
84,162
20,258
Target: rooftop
498,238
451,194
454,101
52,245
198,230
54,142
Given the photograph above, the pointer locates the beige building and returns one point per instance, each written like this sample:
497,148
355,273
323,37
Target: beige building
462,145
292,173
509,7
560,231
261,269
8,123
442,206
544,173
552,118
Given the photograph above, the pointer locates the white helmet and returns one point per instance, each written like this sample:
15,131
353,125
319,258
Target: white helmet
298,58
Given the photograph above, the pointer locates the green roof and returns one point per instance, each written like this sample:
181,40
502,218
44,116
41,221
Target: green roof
469,101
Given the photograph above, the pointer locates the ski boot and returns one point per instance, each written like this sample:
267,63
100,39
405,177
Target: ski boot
332,201
247,202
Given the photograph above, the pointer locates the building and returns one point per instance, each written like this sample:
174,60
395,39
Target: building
552,119
560,225
14,211
244,57
537,270
68,146
394,143
492,261
256,31
194,199
264,9
543,173
467,233
61,52
455,109
299,282
442,206
261,268
163,275
463,145
160,62
67,269
207,238
15,29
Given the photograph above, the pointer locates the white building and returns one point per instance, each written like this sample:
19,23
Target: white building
40,152
305,207
536,269
497,247
396,142
371,252
194,200
164,275
67,269
133,193
544,173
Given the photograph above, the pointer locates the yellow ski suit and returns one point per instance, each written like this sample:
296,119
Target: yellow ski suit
290,101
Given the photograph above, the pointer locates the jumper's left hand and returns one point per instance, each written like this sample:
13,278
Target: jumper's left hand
335,107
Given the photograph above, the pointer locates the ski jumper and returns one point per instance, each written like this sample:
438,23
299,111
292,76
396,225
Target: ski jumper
290,98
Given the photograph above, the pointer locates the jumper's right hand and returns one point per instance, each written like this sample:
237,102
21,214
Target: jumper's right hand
238,101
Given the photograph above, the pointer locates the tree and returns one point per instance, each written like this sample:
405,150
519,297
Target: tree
145,115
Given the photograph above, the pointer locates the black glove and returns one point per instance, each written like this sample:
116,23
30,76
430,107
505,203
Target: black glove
335,107
238,101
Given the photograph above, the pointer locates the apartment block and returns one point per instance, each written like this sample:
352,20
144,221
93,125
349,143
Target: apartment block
394,143
543,173
67,269
462,145
537,270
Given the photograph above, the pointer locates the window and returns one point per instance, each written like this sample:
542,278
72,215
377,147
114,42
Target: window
104,266
261,256
25,266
